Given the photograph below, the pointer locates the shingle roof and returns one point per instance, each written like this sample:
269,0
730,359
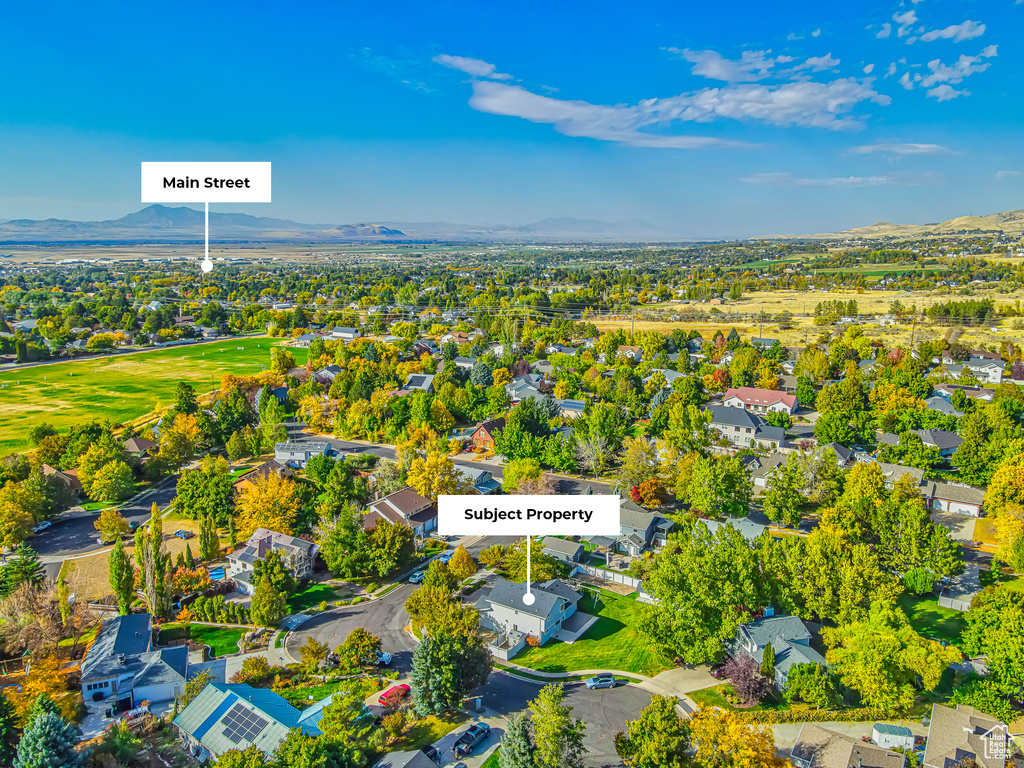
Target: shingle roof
562,546
957,733
138,444
168,665
548,596
632,515
822,748
952,492
748,529
764,397
895,472
940,438
408,759
130,636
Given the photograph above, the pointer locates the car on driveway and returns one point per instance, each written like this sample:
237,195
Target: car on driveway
431,751
468,741
444,557
393,695
183,534
383,658
417,577
601,681
133,526
43,526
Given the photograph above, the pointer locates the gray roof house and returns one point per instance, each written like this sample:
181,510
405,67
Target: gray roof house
296,454
343,332
328,374
954,497
404,507
122,664
563,549
942,405
747,528
760,467
482,480
966,732
639,529
509,620
817,747
984,369
225,717
745,429
415,758
297,554
421,381
895,472
788,635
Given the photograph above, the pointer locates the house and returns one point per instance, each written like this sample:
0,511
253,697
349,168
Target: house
635,354
295,454
404,507
788,383
509,620
344,333
465,363
893,473
788,635
570,409
226,717
296,554
561,349
139,446
564,550
984,369
305,339
954,497
669,374
843,454
67,476
761,400
415,758
327,375
640,530
420,381
946,442
455,337
123,665
760,467
958,591
764,343
745,429
965,732
484,434
748,529
942,405
480,479
818,747
265,469
975,393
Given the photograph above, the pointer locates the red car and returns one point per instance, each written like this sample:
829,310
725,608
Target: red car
393,695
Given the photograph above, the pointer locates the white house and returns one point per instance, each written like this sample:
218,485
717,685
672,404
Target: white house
296,454
745,429
344,333
788,635
761,400
509,620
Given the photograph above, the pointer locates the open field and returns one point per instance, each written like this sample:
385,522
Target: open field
120,388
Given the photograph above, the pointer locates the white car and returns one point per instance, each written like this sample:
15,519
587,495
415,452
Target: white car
417,577
43,526
383,659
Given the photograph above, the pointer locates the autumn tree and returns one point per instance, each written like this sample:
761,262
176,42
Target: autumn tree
434,475
271,502
542,566
122,578
723,740
557,735
269,605
658,738
461,563
111,525
360,649
783,497
313,653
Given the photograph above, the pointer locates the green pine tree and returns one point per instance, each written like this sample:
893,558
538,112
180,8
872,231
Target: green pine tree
768,662
122,578
516,750
444,671
189,560
269,605
48,742
8,730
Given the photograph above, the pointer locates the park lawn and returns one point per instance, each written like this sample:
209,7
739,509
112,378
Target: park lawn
932,620
223,641
119,388
612,642
310,596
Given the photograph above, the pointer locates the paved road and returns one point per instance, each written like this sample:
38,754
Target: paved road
77,536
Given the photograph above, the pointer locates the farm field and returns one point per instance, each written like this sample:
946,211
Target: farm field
119,388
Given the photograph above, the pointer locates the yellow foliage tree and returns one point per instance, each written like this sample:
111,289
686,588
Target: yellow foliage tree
434,475
501,376
46,676
723,740
888,396
271,502
178,441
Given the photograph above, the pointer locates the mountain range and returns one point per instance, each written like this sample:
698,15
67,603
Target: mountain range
1010,222
165,223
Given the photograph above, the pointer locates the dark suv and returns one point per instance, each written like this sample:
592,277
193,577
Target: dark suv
474,735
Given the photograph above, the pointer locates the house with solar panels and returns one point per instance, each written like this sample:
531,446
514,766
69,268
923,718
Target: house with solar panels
296,554
225,717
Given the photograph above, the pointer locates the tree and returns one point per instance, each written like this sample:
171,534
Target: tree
689,428
812,683
111,525
155,565
834,427
480,374
782,497
639,462
271,502
882,655
721,486
557,736
272,565
439,576
205,492
194,687
995,629
209,539
518,470
8,730
391,545
768,662
542,566
445,668
344,543
253,757
434,475
360,649
746,677
461,563
185,400
346,729
122,578
16,508
658,738
725,741
516,748
441,614
281,360
269,605
48,742
112,482
313,653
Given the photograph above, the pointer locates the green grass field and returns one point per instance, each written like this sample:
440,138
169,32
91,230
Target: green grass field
613,642
120,388
222,640
312,595
931,620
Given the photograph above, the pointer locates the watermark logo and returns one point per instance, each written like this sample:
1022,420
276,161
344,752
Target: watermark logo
997,743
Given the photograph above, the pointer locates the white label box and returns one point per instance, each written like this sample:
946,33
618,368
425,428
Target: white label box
561,515
206,182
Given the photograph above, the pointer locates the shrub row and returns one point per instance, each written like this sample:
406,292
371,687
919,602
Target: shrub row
858,715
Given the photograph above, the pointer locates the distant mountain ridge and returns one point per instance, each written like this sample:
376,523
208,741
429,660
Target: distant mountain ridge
1010,222
161,222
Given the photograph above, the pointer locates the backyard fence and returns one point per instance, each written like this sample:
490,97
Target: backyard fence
608,575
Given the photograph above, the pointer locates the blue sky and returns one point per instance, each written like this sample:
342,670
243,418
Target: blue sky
707,119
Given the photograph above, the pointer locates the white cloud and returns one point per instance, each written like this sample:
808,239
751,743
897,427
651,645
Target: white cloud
789,180
968,30
818,63
892,70
816,33
473,67
1001,175
869,69
905,21
900,149
885,31
946,92
750,67
905,81
963,67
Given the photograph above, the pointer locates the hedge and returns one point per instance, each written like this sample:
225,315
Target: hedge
859,715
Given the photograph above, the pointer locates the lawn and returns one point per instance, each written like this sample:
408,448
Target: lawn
931,620
119,388
223,641
429,730
989,577
715,697
613,642
302,696
310,596
492,760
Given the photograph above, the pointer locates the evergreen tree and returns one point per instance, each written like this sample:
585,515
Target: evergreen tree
269,605
209,540
516,750
189,560
444,671
48,742
768,662
122,578
8,730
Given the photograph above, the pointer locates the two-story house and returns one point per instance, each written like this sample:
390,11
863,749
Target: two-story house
484,434
123,666
640,530
788,635
745,429
296,454
296,554
404,507
505,614
984,369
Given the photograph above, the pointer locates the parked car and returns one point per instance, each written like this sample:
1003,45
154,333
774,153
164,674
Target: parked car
468,741
601,681
133,526
417,577
431,751
444,557
183,534
43,526
393,695
383,658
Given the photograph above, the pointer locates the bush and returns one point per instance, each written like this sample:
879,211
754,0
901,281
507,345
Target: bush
859,715
919,581
394,723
